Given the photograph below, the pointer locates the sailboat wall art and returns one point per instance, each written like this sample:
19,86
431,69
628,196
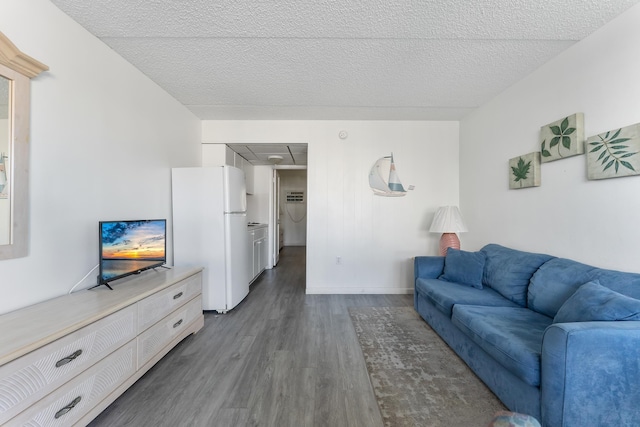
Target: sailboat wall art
384,180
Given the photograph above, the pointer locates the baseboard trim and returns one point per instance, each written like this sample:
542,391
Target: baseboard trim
352,291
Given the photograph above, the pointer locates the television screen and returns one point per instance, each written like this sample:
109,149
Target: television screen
130,247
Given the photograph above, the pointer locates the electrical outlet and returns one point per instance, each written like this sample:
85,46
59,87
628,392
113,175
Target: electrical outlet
339,260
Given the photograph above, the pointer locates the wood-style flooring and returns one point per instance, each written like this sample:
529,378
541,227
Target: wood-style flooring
281,358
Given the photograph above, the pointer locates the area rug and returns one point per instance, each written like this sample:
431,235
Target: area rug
417,379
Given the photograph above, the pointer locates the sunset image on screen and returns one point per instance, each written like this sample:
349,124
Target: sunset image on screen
135,240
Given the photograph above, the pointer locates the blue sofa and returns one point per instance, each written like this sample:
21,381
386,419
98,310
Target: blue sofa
551,337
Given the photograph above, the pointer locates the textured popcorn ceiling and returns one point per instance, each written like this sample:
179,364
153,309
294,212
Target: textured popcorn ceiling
339,59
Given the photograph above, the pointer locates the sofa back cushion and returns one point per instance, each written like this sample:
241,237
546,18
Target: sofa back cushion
508,271
593,302
558,279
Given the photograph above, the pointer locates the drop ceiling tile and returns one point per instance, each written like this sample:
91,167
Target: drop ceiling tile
300,158
269,149
297,148
240,148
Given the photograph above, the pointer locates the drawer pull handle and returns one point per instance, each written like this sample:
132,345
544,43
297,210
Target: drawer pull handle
178,295
69,358
178,323
67,408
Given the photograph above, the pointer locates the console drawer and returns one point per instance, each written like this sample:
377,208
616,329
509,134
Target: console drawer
74,399
161,334
29,378
155,307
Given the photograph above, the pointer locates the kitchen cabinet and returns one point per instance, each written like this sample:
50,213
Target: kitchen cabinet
215,155
241,163
221,154
249,177
258,240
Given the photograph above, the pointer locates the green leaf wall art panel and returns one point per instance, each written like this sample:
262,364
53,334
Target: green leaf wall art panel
562,138
524,171
614,154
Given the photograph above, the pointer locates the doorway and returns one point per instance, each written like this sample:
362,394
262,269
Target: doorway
290,209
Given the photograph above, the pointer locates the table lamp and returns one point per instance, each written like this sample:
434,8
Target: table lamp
448,221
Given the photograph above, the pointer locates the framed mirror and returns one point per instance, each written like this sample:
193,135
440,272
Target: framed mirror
16,70
5,211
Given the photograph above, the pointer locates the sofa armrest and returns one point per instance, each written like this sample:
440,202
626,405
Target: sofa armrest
590,374
428,267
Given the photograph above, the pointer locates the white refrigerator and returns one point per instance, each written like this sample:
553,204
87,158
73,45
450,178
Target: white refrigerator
210,230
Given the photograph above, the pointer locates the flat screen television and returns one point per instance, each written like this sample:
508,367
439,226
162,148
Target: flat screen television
130,247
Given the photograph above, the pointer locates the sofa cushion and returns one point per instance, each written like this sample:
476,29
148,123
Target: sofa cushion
443,295
511,335
508,271
594,302
463,267
558,279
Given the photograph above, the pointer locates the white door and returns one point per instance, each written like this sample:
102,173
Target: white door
276,217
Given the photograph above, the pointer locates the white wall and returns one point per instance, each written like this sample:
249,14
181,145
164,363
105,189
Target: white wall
375,236
103,140
293,216
595,222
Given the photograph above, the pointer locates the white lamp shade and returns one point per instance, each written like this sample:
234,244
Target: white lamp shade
447,220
